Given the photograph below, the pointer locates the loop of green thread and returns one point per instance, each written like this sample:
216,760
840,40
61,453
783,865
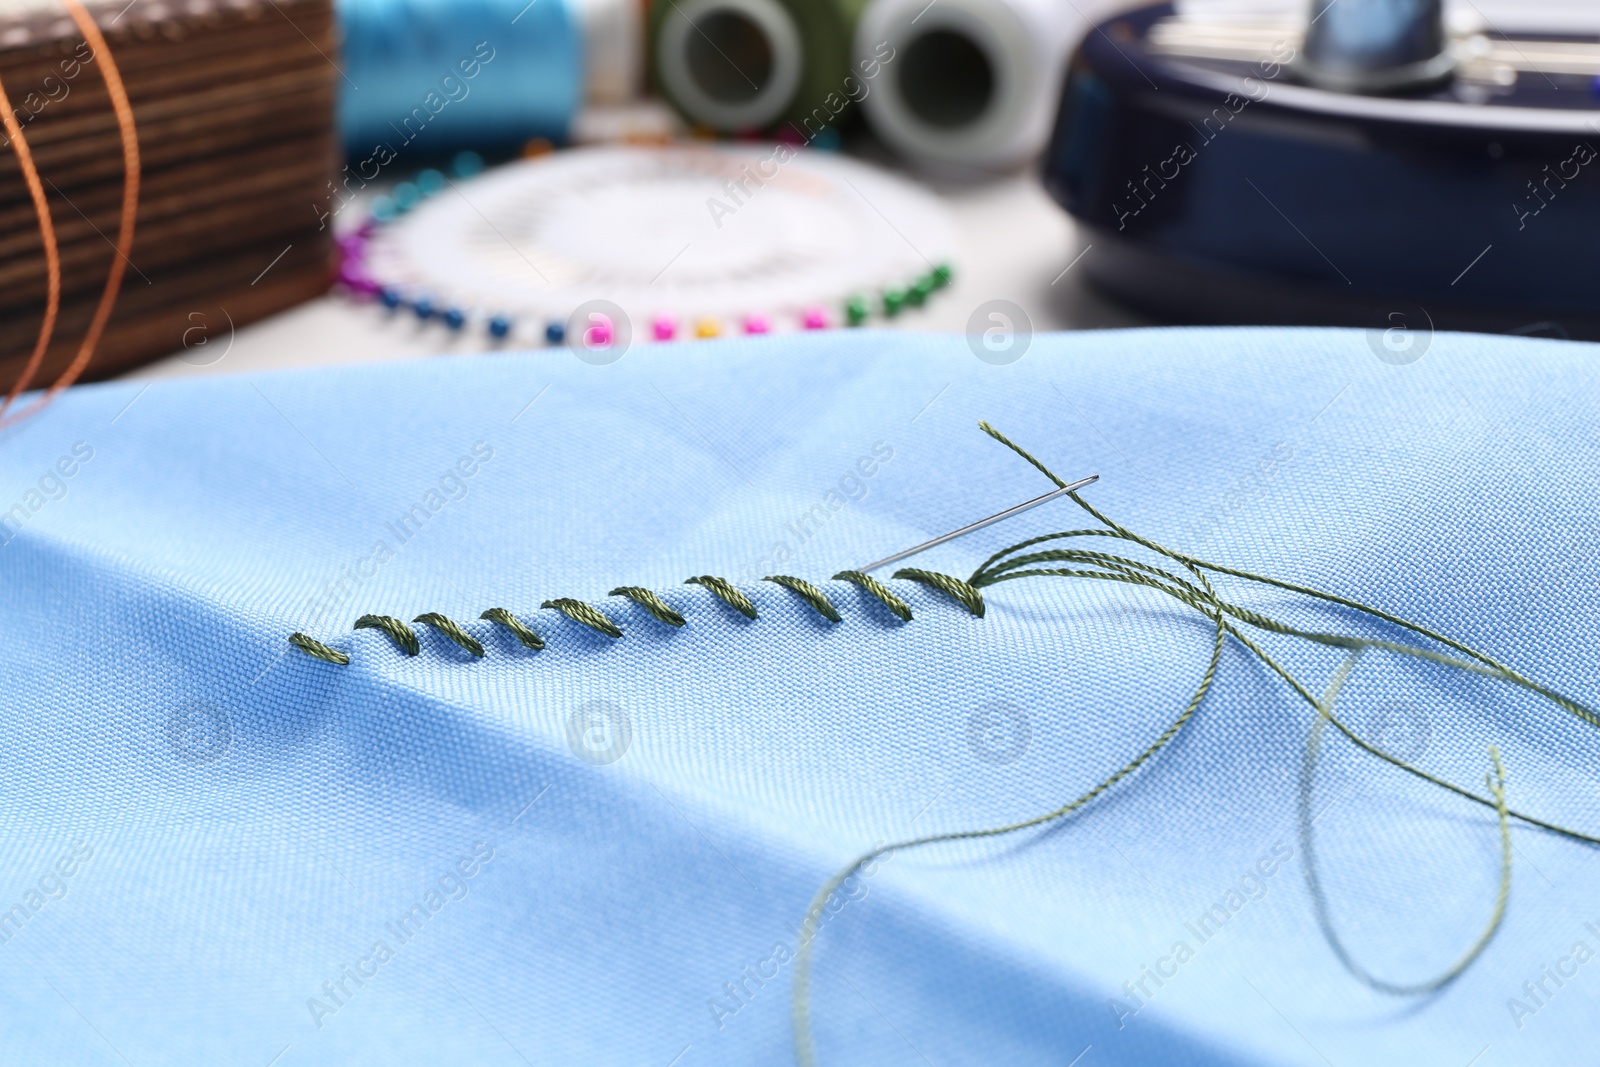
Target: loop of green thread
1198,593
1588,715
523,633
1195,565
318,649
807,592
1260,621
1496,783
727,592
1486,665
398,631
650,602
578,611
879,590
451,629
964,593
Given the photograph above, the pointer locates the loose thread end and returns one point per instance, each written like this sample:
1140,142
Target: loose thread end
1496,781
1024,453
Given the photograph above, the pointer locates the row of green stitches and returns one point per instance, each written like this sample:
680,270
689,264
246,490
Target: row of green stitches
405,638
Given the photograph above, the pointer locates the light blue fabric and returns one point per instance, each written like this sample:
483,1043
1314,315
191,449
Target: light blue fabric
214,824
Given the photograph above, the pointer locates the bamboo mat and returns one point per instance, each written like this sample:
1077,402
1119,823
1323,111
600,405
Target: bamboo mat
234,103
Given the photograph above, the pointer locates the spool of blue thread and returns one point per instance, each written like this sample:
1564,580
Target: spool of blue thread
433,76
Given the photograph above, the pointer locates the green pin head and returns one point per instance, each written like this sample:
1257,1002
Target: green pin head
856,311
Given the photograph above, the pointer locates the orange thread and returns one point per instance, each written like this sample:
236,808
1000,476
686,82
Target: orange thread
47,235
130,207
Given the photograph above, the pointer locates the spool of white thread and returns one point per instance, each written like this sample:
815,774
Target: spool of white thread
972,85
730,65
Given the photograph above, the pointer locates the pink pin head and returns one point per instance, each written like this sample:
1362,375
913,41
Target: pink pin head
600,331
815,319
665,327
354,277
757,324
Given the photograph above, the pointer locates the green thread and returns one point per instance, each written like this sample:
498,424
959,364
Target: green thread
1195,592
805,1053
523,633
727,592
451,629
316,648
578,611
1496,783
650,602
398,631
1012,563
879,590
995,569
406,639
807,592
1338,641
1042,469
964,593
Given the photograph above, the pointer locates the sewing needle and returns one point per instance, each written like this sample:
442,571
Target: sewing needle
981,523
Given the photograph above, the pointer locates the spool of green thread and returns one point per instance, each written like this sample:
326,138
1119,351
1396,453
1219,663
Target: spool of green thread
734,66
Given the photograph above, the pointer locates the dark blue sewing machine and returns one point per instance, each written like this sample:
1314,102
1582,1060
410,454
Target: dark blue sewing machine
1347,169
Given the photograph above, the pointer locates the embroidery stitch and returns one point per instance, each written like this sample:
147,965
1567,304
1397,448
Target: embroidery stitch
405,638
650,602
578,611
879,590
312,646
807,592
527,636
402,634
726,592
964,593
451,629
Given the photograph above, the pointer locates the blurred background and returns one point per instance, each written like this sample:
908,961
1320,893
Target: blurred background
372,179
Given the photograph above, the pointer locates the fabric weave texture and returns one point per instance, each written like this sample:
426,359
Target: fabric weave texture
217,849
